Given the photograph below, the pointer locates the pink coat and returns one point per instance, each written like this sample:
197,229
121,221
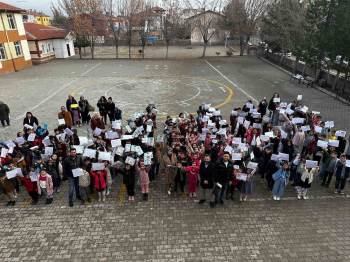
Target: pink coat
49,185
143,173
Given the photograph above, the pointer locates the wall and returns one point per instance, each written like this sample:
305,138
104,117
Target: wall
326,80
61,47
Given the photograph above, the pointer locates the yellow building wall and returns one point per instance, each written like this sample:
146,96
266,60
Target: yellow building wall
19,24
6,23
1,26
43,20
25,50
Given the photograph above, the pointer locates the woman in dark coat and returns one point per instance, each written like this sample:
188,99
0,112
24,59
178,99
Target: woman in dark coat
4,114
84,110
206,173
30,119
102,108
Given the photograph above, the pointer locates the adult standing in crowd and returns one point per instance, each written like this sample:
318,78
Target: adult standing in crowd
110,109
72,162
67,116
102,108
223,173
206,173
84,107
30,120
69,102
4,114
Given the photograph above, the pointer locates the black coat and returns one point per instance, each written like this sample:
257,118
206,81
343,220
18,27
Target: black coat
4,111
71,163
222,173
207,173
33,120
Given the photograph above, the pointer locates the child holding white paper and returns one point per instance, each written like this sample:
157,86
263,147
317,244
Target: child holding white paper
129,181
246,184
45,186
142,170
305,181
100,185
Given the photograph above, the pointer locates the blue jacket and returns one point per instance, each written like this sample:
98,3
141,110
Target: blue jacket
280,174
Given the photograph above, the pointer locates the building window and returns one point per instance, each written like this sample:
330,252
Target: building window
2,52
11,21
18,48
43,48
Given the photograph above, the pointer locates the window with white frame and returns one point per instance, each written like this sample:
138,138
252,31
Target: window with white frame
43,49
2,52
11,21
18,48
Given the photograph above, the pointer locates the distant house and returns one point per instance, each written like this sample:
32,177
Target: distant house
213,21
33,16
47,42
14,50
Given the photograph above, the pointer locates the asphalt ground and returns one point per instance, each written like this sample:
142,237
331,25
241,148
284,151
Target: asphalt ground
171,228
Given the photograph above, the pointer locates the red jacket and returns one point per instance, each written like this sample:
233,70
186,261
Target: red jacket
28,184
100,178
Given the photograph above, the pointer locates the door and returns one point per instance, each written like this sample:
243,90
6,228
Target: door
68,49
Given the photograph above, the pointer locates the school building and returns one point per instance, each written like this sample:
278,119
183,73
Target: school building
14,49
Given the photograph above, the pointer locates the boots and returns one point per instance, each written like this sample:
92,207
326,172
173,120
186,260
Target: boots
146,196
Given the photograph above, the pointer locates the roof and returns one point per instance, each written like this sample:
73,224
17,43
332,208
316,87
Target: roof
10,8
202,13
41,32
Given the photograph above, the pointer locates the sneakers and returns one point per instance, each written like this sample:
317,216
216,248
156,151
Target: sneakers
245,198
305,197
169,192
278,198
274,198
103,199
341,193
299,197
336,192
71,204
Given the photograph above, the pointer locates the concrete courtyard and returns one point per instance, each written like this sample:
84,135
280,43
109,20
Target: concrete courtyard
169,228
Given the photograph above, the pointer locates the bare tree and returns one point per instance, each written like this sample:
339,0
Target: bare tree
131,9
243,17
112,9
171,22
208,21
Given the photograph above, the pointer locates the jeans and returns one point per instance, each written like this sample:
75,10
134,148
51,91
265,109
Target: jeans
219,194
340,183
73,188
327,178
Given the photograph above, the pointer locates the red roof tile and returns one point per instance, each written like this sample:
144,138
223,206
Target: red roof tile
10,8
42,32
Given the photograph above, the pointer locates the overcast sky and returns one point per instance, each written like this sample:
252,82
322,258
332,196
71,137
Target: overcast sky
39,5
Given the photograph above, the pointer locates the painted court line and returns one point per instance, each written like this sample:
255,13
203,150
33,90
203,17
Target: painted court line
57,91
232,83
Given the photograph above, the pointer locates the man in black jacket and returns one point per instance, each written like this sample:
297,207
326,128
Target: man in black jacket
206,173
223,173
4,114
70,163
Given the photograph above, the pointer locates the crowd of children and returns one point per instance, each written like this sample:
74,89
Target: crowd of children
203,153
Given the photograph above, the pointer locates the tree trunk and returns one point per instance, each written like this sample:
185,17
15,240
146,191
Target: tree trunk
84,51
167,49
241,45
92,47
129,49
204,48
80,55
335,82
116,43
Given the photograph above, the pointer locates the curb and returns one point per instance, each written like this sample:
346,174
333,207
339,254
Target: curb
323,90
